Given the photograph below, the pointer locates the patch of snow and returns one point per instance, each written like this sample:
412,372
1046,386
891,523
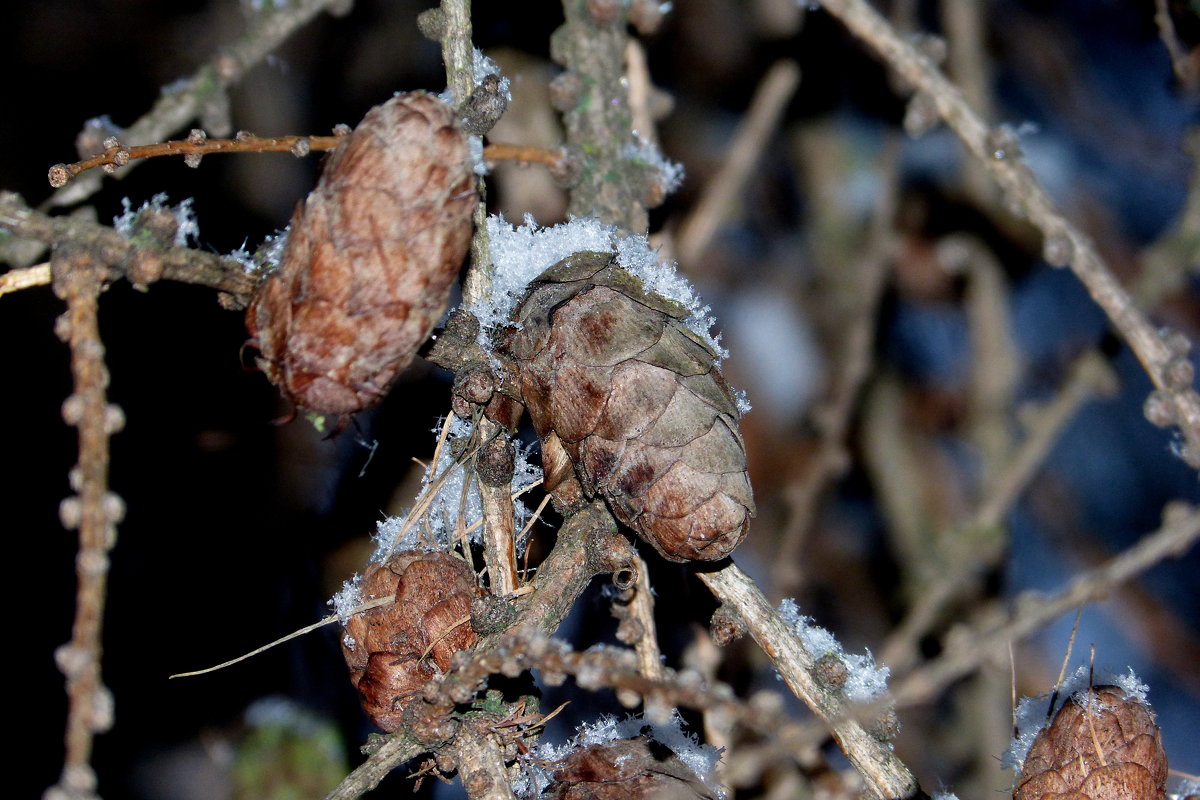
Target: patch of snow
865,682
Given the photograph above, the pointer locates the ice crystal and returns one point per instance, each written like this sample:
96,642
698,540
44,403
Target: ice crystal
521,253
645,152
1035,713
348,598
454,494
866,681
186,229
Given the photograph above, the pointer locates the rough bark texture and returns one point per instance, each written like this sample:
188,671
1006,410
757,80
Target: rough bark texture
1099,747
393,650
369,261
624,769
630,406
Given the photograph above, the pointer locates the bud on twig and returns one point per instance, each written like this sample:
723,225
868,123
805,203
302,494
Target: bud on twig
631,401
369,261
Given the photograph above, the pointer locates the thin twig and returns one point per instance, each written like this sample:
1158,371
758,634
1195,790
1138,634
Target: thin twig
332,618
997,149
119,155
750,139
885,774
1180,531
78,279
1186,65
17,279
203,94
117,253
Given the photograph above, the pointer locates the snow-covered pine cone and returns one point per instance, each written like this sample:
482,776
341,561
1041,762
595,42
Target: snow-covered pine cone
370,258
630,402
393,650
1102,745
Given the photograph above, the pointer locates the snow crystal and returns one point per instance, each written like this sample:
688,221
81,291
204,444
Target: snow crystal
866,681
475,148
944,796
700,758
484,66
186,229
348,598
1034,713
645,152
520,254
436,529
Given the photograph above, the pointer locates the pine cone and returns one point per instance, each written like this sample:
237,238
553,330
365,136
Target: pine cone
368,264
1102,746
631,403
625,769
393,650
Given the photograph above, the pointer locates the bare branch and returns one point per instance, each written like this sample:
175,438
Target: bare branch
885,774
206,89
998,150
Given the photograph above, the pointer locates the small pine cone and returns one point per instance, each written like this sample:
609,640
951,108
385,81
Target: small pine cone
393,650
368,265
1100,746
625,769
630,405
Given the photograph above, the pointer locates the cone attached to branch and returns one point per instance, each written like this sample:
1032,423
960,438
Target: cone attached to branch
625,769
1102,745
630,405
393,650
369,260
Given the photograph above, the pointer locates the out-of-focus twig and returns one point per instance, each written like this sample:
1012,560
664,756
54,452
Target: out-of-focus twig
1186,65
1043,427
999,151
884,773
18,279
203,94
1180,531
78,279
861,292
749,140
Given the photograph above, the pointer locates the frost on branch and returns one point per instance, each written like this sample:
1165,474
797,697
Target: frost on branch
450,497
170,225
865,681
370,258
630,405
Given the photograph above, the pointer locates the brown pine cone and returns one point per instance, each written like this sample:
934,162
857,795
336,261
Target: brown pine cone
393,650
368,265
1101,746
630,402
624,769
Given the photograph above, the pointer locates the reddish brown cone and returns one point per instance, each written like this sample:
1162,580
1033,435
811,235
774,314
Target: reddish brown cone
1101,746
626,769
394,649
631,403
368,264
